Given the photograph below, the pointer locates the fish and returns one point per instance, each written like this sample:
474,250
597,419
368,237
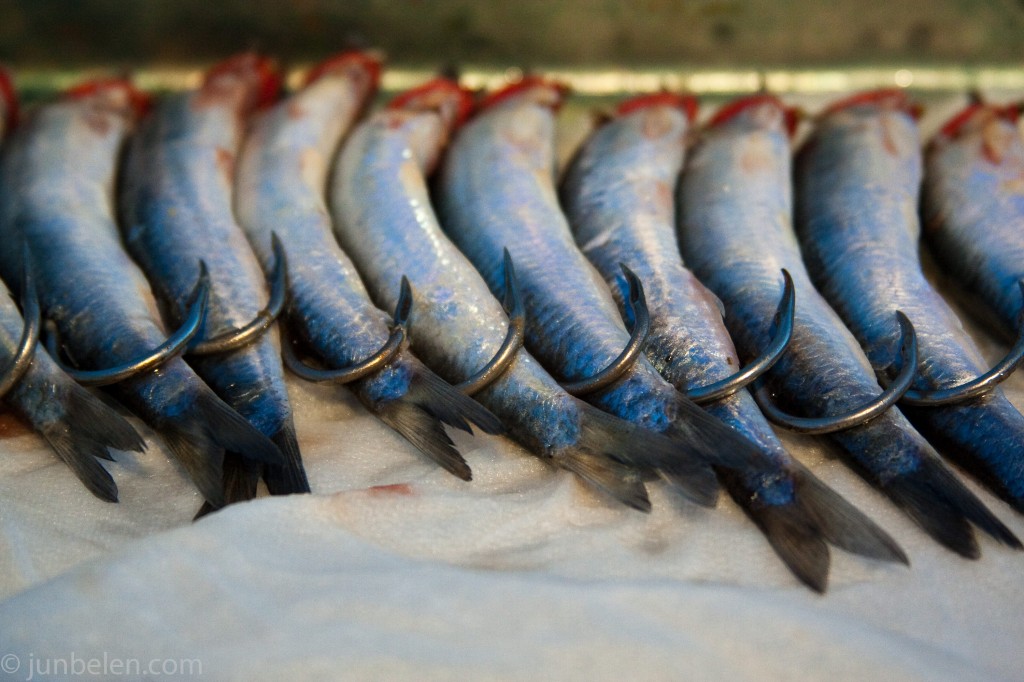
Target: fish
384,219
79,427
972,210
57,175
618,196
495,190
175,204
736,233
857,180
281,189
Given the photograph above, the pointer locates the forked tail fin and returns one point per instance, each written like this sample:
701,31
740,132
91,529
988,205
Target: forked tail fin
419,414
814,516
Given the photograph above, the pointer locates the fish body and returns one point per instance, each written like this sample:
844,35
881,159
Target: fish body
281,187
618,197
56,187
858,178
176,212
736,234
385,220
495,191
78,426
973,209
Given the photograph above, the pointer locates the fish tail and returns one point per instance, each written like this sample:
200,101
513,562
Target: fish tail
446,403
944,508
608,476
290,478
201,433
420,414
80,454
799,530
643,450
83,434
241,478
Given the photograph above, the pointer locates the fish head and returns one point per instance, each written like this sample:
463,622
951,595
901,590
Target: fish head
245,82
762,111
443,96
109,98
535,90
987,130
361,67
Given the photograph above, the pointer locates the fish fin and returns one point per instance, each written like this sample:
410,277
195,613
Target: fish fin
202,459
241,479
94,419
944,508
290,478
607,476
229,430
710,440
646,450
842,524
80,454
434,395
795,539
424,431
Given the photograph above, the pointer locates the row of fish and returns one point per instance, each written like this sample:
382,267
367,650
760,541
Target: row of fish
448,213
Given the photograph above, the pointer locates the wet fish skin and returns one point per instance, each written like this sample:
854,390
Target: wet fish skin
56,183
379,188
76,424
281,186
735,232
496,190
858,178
973,209
175,205
618,197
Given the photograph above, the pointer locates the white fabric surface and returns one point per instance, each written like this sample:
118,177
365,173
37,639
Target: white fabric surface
520,573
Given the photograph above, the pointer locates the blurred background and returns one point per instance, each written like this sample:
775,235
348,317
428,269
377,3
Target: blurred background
600,45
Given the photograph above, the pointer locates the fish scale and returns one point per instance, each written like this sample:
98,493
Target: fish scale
496,190
858,180
58,174
736,235
176,210
280,187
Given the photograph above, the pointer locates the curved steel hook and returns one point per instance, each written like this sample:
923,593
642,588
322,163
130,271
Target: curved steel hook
243,336
22,359
780,341
864,413
513,305
174,345
982,384
365,367
637,302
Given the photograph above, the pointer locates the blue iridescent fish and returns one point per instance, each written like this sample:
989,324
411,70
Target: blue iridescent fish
736,234
56,187
496,190
618,196
973,209
384,219
858,178
176,211
280,187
